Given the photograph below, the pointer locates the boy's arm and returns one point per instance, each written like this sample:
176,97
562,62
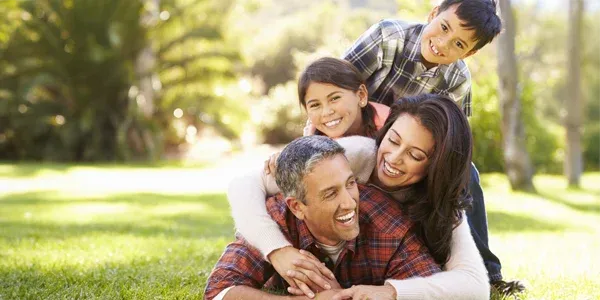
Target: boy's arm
461,94
367,54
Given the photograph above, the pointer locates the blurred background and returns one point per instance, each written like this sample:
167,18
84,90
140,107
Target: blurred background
122,122
123,81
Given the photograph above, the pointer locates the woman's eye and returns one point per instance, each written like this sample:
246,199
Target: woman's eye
315,105
335,98
459,45
416,157
444,28
393,142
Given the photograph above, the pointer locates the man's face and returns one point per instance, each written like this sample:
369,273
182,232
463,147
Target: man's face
444,40
331,210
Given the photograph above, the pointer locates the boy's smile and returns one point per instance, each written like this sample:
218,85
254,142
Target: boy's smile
444,40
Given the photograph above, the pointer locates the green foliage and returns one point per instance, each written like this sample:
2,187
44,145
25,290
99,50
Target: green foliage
544,139
69,77
64,78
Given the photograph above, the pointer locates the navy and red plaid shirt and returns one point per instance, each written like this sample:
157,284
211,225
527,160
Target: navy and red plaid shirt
388,55
387,247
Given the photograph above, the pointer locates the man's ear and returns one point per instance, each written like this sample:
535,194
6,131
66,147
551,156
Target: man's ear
296,206
472,52
433,13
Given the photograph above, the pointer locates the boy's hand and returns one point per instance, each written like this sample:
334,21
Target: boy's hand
309,129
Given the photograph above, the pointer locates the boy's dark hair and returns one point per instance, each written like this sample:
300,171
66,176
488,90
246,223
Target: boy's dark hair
479,15
341,73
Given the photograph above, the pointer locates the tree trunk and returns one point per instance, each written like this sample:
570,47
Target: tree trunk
516,159
573,163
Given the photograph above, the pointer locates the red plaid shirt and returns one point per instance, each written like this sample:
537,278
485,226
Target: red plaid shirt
387,247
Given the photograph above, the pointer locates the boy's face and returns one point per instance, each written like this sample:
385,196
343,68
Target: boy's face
444,40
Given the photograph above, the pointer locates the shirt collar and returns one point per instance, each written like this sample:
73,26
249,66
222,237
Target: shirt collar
307,240
412,51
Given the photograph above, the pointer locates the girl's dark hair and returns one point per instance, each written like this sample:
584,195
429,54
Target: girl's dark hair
342,74
442,194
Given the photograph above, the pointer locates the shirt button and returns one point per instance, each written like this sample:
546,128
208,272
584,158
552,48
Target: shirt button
418,77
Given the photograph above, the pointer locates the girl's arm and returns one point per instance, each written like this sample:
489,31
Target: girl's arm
247,194
464,276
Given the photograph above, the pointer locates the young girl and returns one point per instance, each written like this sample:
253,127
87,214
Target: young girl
336,100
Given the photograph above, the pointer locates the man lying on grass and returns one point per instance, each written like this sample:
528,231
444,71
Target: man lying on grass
319,212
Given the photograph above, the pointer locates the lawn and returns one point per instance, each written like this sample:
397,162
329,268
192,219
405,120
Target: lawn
141,232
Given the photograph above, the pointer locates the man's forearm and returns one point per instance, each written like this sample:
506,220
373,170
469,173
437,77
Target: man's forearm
249,293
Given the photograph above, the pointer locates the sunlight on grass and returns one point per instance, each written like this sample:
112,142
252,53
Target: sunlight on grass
110,232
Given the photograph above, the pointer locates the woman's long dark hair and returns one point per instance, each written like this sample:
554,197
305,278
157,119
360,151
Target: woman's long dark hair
340,73
442,194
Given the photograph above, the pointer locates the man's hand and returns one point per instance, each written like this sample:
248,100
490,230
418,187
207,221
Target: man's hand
327,295
303,271
364,292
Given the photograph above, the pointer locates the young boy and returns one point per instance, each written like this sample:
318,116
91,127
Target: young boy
403,59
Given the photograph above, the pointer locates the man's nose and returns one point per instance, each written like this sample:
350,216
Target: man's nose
348,202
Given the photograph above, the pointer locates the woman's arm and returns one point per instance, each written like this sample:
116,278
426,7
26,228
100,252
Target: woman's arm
246,195
464,276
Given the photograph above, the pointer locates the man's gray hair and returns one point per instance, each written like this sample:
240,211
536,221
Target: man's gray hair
298,159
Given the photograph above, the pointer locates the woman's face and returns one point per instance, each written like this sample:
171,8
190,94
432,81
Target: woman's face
403,156
333,110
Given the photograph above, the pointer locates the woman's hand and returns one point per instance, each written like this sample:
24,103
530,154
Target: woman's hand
364,292
305,274
309,129
271,163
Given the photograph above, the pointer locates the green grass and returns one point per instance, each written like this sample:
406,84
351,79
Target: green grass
70,232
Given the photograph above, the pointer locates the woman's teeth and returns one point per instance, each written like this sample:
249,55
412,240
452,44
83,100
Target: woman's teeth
333,123
347,218
391,169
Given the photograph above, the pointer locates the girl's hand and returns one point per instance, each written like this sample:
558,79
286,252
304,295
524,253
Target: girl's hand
309,129
305,274
271,163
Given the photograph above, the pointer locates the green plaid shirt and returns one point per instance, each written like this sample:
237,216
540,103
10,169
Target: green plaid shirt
389,57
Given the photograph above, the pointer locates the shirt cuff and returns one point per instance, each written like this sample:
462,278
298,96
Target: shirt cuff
406,291
221,295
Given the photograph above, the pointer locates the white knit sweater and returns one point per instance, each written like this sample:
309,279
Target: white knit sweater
464,275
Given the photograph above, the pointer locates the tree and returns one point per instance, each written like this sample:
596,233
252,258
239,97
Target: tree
516,159
574,112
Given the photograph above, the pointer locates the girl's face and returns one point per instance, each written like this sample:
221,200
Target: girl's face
335,111
403,156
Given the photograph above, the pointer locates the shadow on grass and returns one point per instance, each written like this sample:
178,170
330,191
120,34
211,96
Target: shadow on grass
582,207
181,275
185,216
504,222
32,169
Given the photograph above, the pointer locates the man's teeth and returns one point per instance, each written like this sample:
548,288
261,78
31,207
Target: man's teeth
333,123
347,217
390,169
